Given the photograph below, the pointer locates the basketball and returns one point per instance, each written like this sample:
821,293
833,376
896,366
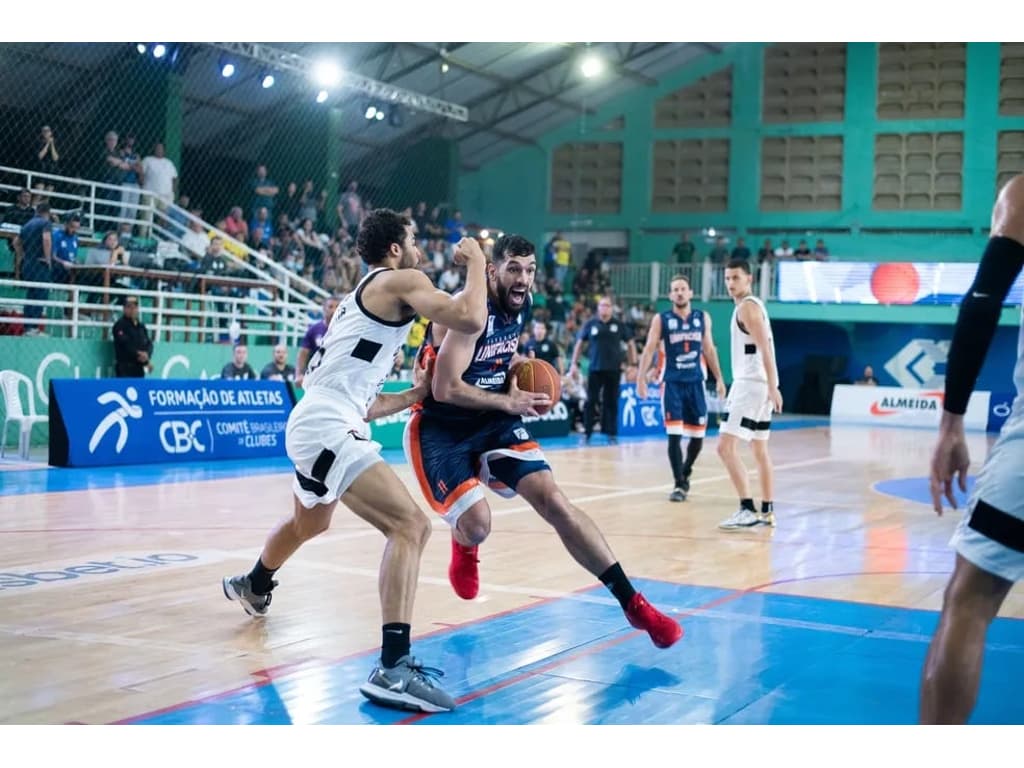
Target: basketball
535,375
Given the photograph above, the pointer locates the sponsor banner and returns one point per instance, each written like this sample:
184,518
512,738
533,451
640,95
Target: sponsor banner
839,282
1000,405
104,422
896,406
554,423
640,416
36,577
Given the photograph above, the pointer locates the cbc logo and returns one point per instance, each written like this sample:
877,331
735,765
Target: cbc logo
180,436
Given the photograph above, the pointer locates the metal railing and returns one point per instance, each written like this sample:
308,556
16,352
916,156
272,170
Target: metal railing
650,281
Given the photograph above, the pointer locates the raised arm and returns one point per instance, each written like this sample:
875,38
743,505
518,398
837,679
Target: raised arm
465,311
647,356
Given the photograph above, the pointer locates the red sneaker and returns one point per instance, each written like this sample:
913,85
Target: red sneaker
462,571
664,631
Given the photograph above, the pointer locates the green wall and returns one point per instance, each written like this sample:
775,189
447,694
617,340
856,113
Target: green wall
514,191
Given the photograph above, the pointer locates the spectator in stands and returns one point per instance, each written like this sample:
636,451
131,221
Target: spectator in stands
214,261
133,179
261,229
563,257
47,156
349,269
543,348
289,207
112,170
264,191
350,209
312,244
308,203
314,338
133,348
820,251
454,229
450,279
740,251
802,252
159,176
557,310
34,250
234,225
719,252
420,219
331,281
117,254
177,215
288,249
574,395
684,252
868,379
765,252
239,367
65,248
784,251
195,240
22,211
278,368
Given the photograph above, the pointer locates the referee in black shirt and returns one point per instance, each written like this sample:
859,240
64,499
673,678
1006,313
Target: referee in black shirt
606,337
132,345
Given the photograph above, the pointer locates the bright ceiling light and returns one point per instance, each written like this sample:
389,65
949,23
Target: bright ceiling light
159,50
592,65
321,97
267,80
484,234
326,72
371,112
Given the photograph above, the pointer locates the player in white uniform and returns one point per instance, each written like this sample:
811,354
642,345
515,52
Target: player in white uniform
990,537
334,458
753,397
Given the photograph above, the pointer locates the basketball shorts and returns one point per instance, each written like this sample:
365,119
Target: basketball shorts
685,408
453,462
749,415
991,532
329,446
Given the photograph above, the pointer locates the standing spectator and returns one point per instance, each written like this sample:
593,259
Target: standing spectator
719,253
65,248
133,348
765,252
308,203
557,313
802,252
278,368
314,338
178,216
684,252
160,177
34,250
21,212
820,251
454,229
784,251
563,258
605,336
239,368
111,170
47,156
290,204
261,229
350,209
264,191
741,251
133,178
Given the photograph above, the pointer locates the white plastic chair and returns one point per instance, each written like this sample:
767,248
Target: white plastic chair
10,383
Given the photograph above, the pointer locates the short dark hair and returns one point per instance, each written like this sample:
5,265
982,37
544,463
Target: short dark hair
684,278
42,208
379,230
739,264
511,245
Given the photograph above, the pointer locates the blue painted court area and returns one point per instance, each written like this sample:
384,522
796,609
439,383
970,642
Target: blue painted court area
746,657
18,482
916,489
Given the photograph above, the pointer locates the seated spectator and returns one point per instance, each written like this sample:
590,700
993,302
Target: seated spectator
784,251
741,251
868,379
195,240
278,368
287,248
261,229
574,395
238,368
802,252
235,226
22,211
820,251
179,221
117,254
213,262
450,279
765,252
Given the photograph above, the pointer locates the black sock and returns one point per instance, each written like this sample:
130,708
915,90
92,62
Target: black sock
692,452
395,644
261,578
675,457
747,504
766,507
616,581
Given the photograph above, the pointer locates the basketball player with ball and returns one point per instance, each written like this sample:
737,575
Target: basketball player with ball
468,433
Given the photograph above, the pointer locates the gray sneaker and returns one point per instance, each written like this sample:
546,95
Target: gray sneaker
678,494
407,685
240,588
740,519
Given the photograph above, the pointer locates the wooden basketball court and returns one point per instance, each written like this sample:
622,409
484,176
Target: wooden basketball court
111,606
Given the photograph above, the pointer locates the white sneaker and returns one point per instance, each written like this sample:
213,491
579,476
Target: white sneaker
741,518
